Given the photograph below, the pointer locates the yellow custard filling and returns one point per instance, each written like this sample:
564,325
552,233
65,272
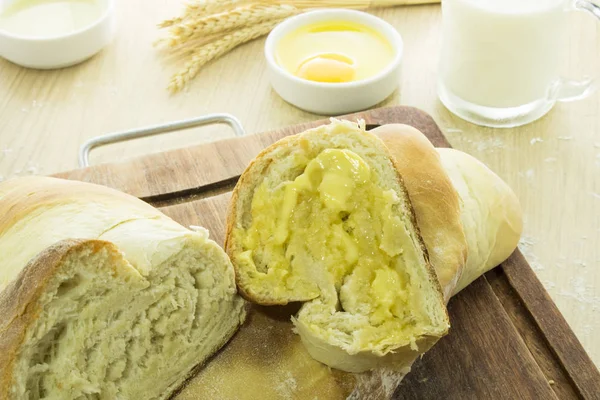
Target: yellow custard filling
332,233
334,51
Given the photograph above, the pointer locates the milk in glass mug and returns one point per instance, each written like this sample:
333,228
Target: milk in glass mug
501,58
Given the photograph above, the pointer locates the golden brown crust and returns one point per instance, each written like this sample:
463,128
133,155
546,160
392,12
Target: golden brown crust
434,199
18,301
23,196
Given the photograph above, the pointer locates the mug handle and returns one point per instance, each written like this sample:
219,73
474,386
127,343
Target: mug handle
571,90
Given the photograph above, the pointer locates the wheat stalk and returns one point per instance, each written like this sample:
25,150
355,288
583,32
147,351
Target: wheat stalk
216,49
198,8
226,21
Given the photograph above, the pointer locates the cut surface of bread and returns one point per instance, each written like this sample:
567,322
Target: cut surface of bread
125,312
323,218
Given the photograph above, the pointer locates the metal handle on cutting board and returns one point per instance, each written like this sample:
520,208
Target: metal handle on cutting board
84,150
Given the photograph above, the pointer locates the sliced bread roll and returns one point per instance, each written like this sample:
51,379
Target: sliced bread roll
470,219
323,218
104,297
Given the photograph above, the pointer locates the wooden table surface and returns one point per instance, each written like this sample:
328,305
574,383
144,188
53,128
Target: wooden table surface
552,164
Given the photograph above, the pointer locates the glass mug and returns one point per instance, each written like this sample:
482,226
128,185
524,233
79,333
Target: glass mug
501,58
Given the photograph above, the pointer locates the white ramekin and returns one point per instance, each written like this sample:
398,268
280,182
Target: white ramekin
60,51
334,98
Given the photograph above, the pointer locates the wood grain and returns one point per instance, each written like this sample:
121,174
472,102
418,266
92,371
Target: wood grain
552,164
507,341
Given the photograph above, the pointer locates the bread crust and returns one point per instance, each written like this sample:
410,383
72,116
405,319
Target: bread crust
19,300
435,201
22,196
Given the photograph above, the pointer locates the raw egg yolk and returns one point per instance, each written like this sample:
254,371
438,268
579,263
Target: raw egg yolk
327,68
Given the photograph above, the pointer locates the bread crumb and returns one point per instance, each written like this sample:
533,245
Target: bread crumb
551,382
536,140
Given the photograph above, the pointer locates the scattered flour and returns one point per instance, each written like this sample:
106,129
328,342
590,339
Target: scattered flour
581,292
549,285
596,195
378,384
525,245
453,130
526,241
30,168
536,140
529,174
287,387
551,159
565,138
490,144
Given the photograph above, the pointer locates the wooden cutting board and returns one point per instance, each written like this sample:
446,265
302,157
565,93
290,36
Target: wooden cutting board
507,341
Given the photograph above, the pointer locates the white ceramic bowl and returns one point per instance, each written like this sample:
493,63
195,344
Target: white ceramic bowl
334,98
59,51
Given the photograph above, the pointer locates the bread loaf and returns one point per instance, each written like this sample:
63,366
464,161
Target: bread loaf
104,297
470,219
296,234
323,218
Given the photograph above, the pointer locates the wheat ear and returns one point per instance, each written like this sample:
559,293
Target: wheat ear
200,8
216,49
227,21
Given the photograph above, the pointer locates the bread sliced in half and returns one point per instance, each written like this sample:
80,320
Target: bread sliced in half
323,218
104,297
